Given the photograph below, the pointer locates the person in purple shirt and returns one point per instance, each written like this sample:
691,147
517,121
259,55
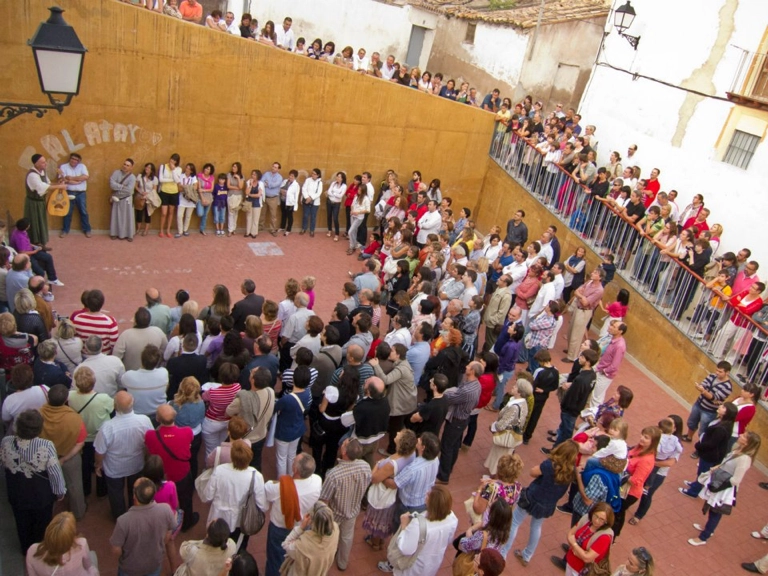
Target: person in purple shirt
42,261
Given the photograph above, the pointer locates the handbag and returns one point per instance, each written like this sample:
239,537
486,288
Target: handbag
464,563
139,201
206,198
469,506
316,429
601,568
234,202
381,497
507,439
251,517
523,502
719,480
201,482
270,441
397,559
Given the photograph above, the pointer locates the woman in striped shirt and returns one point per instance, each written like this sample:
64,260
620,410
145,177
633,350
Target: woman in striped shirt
33,477
217,397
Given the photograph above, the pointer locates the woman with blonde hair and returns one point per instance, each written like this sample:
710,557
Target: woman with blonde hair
721,501
190,411
62,551
286,308
253,329
505,486
311,546
28,319
551,481
95,409
69,348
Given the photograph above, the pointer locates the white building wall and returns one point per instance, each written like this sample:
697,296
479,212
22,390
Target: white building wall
499,51
677,132
375,26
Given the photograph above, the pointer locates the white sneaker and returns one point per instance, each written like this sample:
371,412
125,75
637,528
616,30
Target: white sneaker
758,535
696,542
385,566
57,282
698,527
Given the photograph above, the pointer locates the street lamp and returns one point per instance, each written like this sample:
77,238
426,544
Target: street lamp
623,17
59,56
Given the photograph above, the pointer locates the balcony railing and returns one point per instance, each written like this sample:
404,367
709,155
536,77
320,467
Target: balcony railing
717,328
750,82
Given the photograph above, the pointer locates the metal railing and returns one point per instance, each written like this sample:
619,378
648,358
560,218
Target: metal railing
688,301
751,78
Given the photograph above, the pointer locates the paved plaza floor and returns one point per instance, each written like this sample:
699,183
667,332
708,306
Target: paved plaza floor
124,270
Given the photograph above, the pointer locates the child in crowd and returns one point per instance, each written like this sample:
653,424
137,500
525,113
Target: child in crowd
372,248
300,47
616,310
609,267
618,430
308,287
220,203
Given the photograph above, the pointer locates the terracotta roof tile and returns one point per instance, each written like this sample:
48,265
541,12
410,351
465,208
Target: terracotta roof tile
524,14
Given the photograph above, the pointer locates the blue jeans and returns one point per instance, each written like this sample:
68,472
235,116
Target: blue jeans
700,418
501,384
713,519
518,517
565,431
309,216
202,212
696,487
275,552
78,201
652,484
219,214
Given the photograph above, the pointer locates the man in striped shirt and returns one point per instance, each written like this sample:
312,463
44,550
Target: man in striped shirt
461,401
713,391
93,322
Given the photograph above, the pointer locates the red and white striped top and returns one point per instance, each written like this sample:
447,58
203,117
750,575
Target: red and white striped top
218,399
96,324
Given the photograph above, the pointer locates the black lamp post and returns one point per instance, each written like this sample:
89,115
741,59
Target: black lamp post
623,17
59,56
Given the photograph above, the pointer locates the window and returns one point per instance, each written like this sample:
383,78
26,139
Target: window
470,37
741,149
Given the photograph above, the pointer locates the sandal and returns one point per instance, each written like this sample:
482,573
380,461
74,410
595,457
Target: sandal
335,238
329,234
686,438
634,521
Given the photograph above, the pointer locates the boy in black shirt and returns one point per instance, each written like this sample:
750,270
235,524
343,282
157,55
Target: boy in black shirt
430,416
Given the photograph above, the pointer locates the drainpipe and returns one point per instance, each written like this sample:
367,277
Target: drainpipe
536,31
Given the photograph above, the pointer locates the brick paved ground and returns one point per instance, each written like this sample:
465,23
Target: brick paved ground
124,270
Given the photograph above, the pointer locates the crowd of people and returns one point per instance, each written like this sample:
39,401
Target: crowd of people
285,38
367,411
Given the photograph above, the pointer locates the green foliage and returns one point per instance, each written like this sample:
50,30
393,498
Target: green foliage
501,4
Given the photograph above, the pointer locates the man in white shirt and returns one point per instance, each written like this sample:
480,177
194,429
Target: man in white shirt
558,280
308,487
469,288
517,270
429,223
119,447
545,294
546,247
661,200
632,158
361,61
388,70
285,39
75,176
232,27
108,370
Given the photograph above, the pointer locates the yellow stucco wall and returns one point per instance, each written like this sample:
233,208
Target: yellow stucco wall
153,85
652,340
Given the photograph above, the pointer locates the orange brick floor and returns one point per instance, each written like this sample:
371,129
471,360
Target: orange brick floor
124,270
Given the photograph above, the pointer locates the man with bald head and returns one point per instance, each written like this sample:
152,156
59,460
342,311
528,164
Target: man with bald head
119,447
461,401
160,313
371,417
108,370
174,445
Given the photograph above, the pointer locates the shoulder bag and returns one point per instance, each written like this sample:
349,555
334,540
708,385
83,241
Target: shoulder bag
251,517
511,438
201,482
464,563
397,559
86,404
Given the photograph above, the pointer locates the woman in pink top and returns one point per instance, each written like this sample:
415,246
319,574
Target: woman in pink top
61,551
641,460
615,311
217,397
308,287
